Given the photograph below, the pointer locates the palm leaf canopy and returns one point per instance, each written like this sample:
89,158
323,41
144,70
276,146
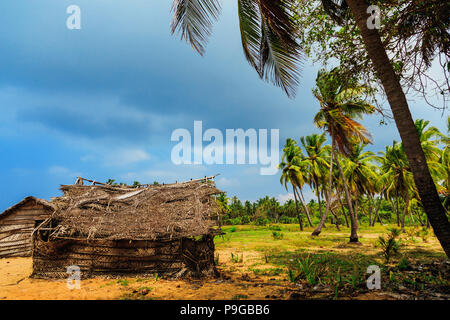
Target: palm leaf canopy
268,35
341,101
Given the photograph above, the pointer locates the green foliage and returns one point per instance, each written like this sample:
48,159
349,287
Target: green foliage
267,272
235,258
262,221
355,279
275,228
389,244
123,282
277,235
309,270
226,237
404,264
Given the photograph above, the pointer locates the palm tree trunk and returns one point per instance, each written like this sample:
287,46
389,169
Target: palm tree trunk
318,199
298,211
356,209
376,212
317,231
405,124
353,221
370,210
405,210
396,210
302,200
419,218
411,218
343,211
336,218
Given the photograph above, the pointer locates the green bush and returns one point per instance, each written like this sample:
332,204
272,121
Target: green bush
262,221
390,246
288,220
277,235
274,228
404,264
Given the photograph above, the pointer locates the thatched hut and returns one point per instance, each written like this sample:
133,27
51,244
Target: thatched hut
111,230
17,224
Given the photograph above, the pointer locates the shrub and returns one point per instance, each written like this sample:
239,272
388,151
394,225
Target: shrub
234,221
233,229
308,270
246,219
261,221
277,235
404,264
288,220
275,228
424,233
390,246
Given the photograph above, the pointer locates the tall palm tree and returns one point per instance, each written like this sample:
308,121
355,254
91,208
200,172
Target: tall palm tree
222,201
360,173
293,172
316,162
268,36
397,176
444,160
340,103
403,119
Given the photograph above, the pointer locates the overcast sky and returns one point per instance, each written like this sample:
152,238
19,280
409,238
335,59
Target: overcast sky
102,102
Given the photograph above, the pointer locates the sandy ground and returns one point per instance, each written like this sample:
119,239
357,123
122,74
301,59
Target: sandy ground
15,284
237,282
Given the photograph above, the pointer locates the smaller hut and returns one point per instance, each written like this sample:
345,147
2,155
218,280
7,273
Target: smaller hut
117,230
17,224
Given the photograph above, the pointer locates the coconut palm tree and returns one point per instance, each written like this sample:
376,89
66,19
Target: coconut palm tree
268,36
360,172
402,116
341,101
397,176
222,201
316,162
292,172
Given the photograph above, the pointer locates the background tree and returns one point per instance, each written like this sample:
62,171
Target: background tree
269,39
315,162
292,172
340,102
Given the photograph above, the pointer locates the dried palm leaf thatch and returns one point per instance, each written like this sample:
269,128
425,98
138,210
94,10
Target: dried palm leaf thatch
172,211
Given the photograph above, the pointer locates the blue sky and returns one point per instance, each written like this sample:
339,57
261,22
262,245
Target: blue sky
102,102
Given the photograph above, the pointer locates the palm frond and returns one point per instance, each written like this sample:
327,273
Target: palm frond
280,54
194,19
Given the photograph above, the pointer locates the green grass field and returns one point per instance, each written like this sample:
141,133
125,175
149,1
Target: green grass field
329,260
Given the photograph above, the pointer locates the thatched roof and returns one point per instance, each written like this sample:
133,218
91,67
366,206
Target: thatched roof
24,202
154,212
